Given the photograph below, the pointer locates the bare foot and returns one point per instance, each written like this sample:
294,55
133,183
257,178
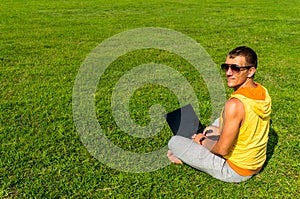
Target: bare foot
172,158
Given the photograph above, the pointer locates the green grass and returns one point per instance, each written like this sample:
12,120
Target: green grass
42,46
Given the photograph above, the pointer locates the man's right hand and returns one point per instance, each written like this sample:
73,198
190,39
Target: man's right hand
211,130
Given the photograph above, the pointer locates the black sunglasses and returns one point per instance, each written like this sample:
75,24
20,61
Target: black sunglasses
234,67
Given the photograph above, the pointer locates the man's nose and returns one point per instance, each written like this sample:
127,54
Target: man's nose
229,71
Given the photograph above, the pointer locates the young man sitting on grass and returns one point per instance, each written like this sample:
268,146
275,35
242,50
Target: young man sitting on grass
243,127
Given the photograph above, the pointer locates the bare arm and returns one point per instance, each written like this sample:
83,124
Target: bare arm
233,117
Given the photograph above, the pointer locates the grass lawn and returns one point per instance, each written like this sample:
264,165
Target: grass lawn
44,43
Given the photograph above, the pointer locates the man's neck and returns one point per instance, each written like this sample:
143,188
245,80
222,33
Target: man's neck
249,83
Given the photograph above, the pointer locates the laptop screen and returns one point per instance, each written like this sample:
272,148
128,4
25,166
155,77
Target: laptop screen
184,121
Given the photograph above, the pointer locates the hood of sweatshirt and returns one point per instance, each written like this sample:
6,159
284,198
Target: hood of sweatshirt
259,99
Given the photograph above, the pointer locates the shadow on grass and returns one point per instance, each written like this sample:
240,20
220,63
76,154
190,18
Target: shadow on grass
273,140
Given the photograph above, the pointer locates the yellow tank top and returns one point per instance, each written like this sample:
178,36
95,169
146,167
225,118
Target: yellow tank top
248,154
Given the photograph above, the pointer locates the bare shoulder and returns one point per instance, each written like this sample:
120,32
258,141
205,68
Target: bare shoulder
234,106
234,102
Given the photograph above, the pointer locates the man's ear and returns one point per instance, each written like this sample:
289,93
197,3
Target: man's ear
251,72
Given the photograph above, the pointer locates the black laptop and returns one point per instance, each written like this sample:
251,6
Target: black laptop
185,122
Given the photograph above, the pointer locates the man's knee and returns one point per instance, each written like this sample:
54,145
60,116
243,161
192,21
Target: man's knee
176,146
179,145
173,142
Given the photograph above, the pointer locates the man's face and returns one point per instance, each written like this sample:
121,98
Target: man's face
237,79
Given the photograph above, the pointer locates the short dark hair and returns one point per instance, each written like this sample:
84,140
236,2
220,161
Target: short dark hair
248,53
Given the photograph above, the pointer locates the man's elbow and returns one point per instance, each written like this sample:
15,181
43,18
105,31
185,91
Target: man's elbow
220,149
223,151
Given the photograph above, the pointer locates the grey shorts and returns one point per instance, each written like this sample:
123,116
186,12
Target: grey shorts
202,159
